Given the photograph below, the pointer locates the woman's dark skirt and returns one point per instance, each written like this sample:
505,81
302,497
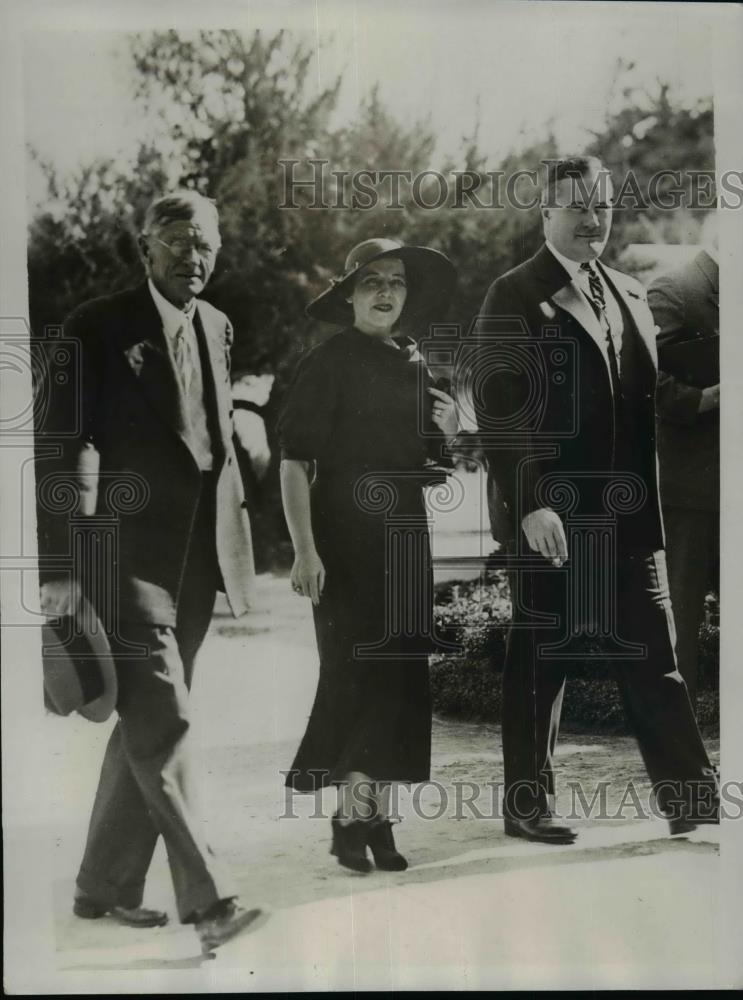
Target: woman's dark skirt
371,714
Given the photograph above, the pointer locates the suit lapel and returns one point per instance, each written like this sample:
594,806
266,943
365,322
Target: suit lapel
215,375
639,313
574,302
143,344
558,286
145,350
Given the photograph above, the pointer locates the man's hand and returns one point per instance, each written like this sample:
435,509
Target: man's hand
60,597
546,535
710,399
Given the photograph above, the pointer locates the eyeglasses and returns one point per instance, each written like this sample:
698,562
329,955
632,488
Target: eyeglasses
182,245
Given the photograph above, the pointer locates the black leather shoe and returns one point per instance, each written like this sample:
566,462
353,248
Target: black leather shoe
349,845
382,845
684,824
679,826
225,922
136,916
543,829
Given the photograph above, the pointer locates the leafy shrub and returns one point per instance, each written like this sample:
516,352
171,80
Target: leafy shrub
709,658
476,614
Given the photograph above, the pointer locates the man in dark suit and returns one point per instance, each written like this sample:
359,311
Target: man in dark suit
153,434
685,308
563,385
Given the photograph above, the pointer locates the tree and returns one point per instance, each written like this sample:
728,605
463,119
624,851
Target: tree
83,243
226,108
653,135
231,107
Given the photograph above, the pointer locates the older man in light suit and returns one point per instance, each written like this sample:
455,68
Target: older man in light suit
565,403
154,409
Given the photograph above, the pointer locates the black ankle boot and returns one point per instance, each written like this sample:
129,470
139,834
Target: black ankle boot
380,840
349,845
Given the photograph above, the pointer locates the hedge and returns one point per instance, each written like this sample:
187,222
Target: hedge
475,614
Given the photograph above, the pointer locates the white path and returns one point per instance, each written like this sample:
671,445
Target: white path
625,906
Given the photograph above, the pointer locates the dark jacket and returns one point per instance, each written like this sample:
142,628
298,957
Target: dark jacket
542,396
685,306
124,419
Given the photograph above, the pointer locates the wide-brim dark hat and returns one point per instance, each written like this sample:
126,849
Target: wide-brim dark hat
79,671
430,278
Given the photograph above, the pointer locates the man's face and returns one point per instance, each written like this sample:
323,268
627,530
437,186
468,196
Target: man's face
180,257
578,220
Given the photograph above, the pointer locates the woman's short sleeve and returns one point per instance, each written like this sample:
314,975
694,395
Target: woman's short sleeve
306,421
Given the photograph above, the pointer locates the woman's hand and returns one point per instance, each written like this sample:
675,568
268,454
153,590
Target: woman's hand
445,413
308,572
308,575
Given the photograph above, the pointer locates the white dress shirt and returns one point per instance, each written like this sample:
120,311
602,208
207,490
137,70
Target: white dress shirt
189,373
174,320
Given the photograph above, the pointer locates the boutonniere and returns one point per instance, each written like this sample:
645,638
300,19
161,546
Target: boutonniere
547,310
135,357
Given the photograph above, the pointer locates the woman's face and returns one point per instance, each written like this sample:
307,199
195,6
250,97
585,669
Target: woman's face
378,296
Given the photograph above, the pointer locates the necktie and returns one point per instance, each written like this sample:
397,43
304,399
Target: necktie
597,289
182,346
598,301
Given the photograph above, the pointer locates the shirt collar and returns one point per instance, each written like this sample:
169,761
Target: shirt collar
172,317
573,267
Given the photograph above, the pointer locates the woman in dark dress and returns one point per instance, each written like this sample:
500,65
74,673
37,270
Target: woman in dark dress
361,427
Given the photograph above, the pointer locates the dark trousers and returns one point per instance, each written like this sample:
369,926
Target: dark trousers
146,788
692,550
654,694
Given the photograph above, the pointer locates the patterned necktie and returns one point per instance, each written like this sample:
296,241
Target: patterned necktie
597,289
182,353
598,301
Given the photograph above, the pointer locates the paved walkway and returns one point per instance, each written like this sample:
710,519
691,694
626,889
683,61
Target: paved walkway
626,905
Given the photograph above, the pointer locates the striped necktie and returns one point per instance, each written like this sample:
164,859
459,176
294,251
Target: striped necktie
598,301
597,289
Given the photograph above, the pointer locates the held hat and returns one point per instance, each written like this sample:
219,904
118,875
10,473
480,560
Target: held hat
429,273
79,671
